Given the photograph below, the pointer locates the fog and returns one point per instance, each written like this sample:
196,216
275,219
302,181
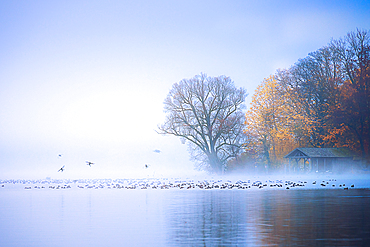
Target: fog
84,81
88,79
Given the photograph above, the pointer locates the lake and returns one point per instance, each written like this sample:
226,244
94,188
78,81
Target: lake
97,214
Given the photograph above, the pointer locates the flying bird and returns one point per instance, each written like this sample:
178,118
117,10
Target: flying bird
60,155
89,163
61,169
146,166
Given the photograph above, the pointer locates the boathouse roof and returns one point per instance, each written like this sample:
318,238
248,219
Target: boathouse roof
319,153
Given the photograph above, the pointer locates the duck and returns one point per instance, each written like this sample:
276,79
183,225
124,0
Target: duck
61,169
89,163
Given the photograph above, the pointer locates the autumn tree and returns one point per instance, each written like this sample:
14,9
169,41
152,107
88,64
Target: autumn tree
207,113
323,100
270,122
315,81
352,113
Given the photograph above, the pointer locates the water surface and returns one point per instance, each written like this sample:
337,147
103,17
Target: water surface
175,217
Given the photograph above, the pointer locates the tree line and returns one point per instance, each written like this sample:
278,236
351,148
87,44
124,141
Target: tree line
323,100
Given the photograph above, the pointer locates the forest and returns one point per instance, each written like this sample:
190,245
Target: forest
322,101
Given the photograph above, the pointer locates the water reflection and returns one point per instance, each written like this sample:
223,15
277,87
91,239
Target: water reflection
317,217
207,217
185,218
270,218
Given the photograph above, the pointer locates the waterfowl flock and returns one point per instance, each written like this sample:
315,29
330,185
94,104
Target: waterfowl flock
173,183
89,163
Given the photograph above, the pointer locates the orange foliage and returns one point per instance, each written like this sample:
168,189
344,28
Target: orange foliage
270,123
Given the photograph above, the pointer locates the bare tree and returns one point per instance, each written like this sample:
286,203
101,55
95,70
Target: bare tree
207,112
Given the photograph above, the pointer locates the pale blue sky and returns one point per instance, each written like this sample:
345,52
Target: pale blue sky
88,78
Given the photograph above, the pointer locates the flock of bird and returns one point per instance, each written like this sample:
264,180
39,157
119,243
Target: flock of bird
171,184
168,183
89,163
327,183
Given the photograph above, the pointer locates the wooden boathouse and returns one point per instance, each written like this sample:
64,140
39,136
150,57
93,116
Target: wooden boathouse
319,160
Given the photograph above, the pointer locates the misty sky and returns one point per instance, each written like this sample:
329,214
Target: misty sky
87,79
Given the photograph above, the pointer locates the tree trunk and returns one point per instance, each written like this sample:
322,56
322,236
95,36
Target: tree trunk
266,149
215,163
